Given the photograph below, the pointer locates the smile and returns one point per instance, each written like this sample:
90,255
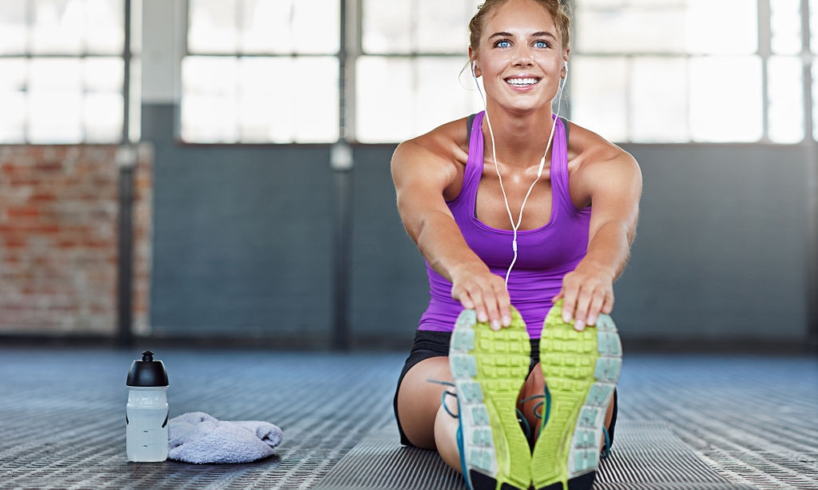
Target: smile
522,82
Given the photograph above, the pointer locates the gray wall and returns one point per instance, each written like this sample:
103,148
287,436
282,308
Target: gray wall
242,237
243,243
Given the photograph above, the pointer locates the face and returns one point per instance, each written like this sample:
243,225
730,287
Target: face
520,56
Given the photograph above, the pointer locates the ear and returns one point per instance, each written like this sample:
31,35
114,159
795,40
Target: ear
473,59
563,70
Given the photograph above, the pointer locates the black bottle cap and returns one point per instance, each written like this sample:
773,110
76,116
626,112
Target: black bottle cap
147,372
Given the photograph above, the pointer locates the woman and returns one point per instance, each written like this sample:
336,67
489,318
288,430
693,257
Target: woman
461,190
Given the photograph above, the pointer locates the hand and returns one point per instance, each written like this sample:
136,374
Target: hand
586,292
478,289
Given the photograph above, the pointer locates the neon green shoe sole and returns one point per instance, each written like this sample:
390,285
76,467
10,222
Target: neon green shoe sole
489,368
581,370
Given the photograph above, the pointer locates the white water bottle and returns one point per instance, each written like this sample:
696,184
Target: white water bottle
147,411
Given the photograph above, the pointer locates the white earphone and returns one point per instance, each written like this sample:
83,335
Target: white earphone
497,169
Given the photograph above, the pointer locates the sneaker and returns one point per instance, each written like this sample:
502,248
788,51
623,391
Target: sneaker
489,369
581,370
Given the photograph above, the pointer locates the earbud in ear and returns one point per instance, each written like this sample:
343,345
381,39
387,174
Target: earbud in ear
473,66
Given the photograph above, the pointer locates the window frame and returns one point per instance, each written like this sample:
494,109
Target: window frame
351,48
763,53
128,57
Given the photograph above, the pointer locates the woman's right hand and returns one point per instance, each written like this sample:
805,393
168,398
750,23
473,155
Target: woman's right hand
478,289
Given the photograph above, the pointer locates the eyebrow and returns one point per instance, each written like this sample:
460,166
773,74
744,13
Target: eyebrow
536,34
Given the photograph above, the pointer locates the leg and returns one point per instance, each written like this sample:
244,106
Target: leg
535,385
422,417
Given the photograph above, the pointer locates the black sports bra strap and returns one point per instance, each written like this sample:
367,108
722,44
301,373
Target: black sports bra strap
565,125
469,124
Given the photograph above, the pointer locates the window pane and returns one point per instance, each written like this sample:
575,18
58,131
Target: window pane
289,26
316,33
55,101
103,74
380,115
658,94
209,75
102,117
442,93
443,27
13,74
259,100
722,26
55,116
58,26
105,26
212,26
387,26
209,99
56,74
655,30
725,99
785,26
12,117
599,95
785,86
278,108
13,27
399,98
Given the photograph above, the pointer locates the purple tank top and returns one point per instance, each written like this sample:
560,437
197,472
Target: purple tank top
544,255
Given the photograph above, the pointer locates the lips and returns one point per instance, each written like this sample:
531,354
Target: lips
522,82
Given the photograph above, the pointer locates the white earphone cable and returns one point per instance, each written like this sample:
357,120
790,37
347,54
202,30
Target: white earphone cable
497,169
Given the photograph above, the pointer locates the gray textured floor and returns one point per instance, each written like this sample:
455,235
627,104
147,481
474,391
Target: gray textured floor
752,421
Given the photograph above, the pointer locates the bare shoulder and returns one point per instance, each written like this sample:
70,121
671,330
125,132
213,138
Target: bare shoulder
590,153
438,155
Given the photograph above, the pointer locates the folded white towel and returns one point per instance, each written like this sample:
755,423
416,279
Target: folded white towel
197,437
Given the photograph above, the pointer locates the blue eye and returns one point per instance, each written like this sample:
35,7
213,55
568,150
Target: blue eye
503,43
540,44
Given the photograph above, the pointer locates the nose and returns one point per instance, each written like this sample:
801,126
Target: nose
523,56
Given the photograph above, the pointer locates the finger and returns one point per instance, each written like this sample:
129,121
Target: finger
559,296
595,308
504,304
569,303
466,301
479,304
581,315
492,308
607,307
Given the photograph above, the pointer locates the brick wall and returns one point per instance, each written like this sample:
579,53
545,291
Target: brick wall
59,239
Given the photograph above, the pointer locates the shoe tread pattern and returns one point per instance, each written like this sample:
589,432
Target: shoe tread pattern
489,368
581,370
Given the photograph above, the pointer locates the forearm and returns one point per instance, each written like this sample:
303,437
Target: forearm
442,245
609,250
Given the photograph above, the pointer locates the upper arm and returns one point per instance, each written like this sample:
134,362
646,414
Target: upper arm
421,176
614,184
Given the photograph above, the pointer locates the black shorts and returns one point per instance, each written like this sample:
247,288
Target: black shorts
430,344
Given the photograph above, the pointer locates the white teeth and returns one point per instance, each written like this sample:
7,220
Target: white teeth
522,81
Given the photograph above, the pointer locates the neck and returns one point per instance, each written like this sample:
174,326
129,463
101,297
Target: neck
521,138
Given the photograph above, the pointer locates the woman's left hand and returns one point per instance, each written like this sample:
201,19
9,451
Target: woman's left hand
586,292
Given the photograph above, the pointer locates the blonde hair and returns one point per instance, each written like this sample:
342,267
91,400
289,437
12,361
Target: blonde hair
559,11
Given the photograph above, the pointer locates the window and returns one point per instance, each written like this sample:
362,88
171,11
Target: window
267,71
62,70
261,71
690,70
413,74
644,71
